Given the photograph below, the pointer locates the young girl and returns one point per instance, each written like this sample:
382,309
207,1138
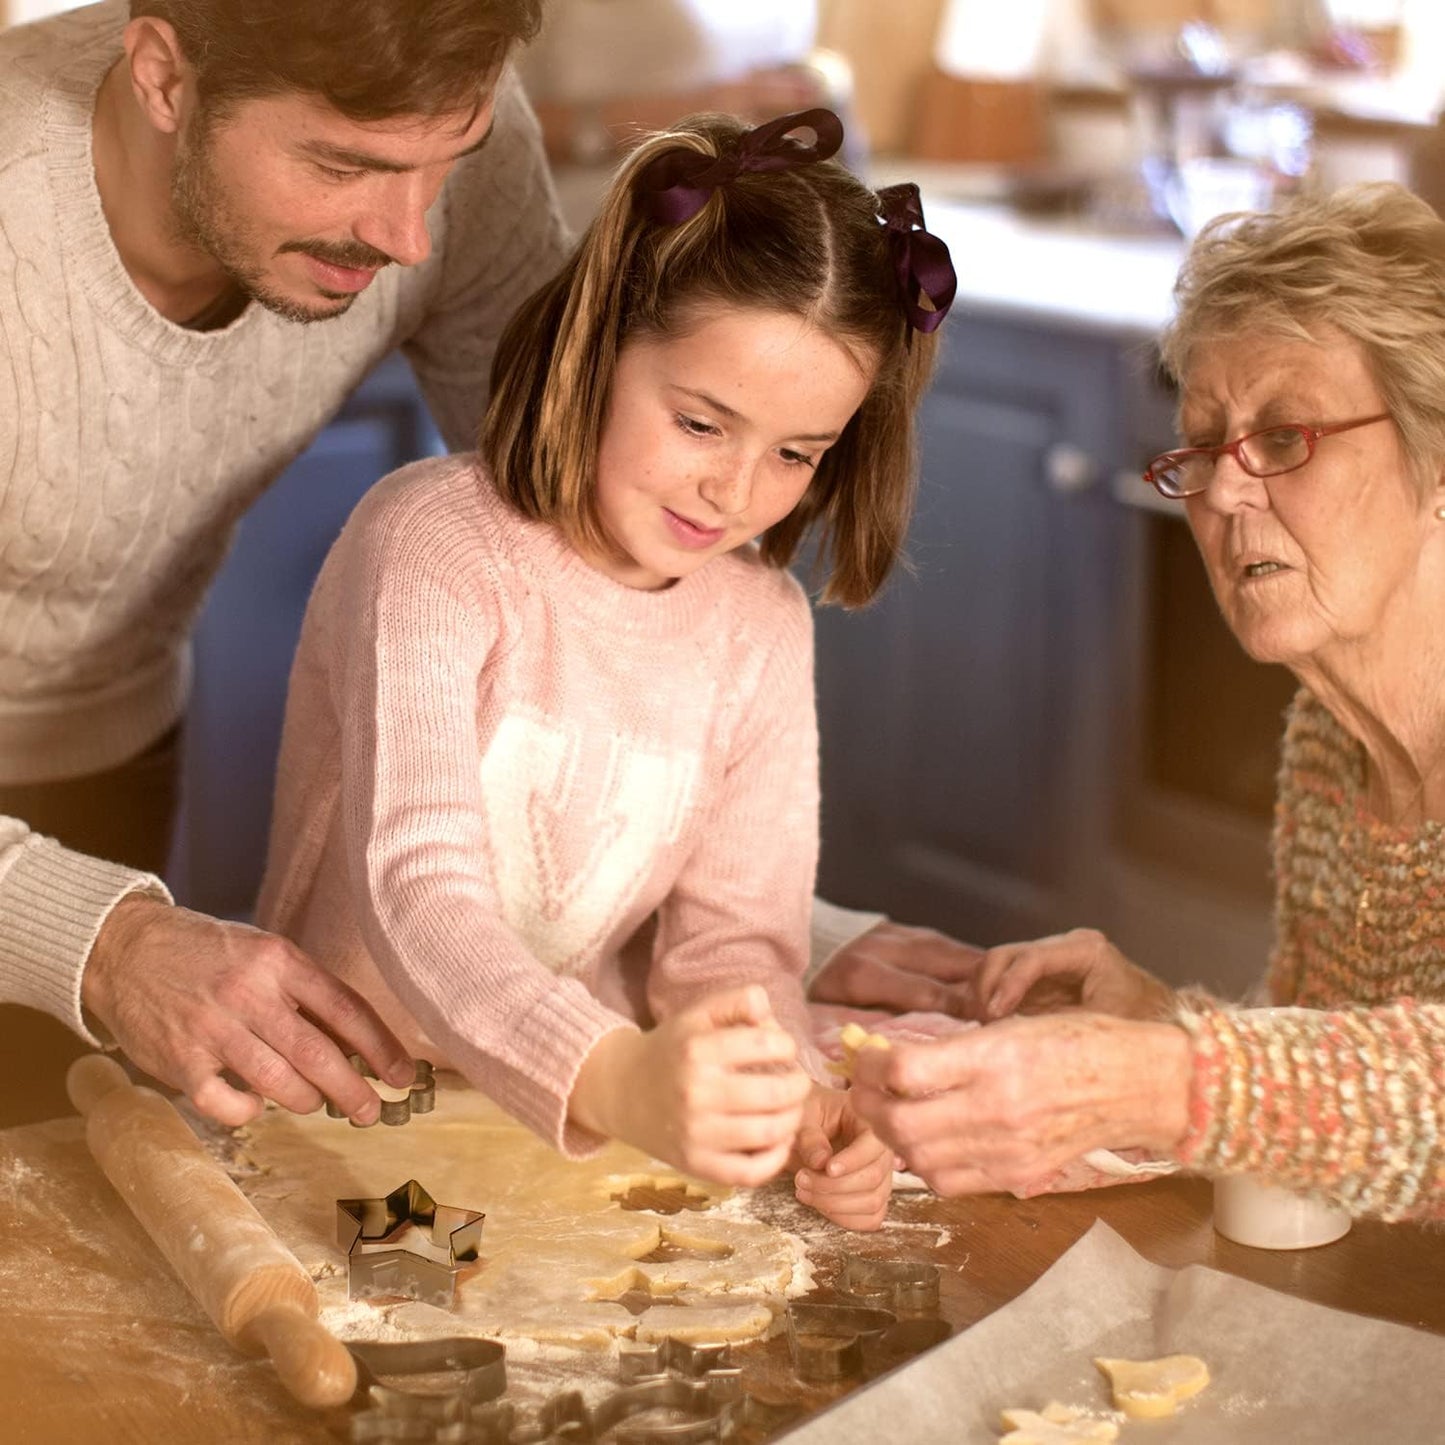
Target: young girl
548,786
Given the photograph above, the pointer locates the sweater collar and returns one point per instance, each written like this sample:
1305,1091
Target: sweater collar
539,550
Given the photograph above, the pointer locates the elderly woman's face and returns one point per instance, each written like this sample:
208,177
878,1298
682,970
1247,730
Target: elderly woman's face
1316,559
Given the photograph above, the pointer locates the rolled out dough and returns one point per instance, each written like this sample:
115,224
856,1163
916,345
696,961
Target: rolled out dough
557,1251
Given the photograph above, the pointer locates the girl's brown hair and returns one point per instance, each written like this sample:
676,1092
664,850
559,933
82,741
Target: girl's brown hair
806,241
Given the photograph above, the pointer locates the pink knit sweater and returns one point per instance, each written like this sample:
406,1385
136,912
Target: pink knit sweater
520,805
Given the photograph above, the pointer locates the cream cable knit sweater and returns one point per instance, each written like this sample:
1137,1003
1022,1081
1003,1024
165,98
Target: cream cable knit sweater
129,447
520,805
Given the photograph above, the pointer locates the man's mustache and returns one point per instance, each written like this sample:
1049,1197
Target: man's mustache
353,255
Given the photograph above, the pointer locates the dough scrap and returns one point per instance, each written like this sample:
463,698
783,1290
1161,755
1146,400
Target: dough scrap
1151,1389
557,1250
853,1039
1055,1424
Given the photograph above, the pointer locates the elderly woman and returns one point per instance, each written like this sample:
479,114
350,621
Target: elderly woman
1310,350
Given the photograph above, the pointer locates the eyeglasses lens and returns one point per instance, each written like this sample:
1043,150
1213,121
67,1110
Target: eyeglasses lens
1264,455
1280,450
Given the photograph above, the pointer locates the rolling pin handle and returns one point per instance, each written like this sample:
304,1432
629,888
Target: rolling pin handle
312,1363
91,1077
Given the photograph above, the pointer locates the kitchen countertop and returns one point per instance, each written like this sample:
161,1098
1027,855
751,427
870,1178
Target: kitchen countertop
99,1341
1060,272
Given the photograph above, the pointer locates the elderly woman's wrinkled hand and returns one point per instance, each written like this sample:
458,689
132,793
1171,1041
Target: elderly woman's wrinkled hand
1079,969
996,1108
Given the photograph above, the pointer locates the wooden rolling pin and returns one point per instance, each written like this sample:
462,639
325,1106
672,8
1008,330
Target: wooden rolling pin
260,1298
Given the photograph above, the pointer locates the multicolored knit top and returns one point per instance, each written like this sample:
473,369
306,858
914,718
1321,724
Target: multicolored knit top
1341,1086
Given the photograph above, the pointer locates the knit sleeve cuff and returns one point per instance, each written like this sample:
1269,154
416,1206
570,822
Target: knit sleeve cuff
1220,1072
834,928
52,904
1343,1102
536,1085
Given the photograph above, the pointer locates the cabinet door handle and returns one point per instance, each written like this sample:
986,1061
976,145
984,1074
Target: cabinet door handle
1069,469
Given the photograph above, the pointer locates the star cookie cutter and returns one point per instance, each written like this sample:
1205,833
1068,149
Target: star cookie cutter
403,1271
421,1096
670,1356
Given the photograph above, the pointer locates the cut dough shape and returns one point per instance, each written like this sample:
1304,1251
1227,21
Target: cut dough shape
1150,1389
853,1039
557,1249
1056,1424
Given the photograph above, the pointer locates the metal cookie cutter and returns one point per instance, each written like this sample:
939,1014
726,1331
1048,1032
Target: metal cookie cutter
421,1097
826,1342
398,1414
908,1289
671,1356
833,1342
403,1271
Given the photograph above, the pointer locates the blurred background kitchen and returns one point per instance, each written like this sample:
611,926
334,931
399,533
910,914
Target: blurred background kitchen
1026,733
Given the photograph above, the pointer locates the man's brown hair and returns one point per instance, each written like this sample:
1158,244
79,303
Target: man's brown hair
807,242
370,59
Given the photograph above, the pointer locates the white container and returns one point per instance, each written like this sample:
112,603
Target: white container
1264,1216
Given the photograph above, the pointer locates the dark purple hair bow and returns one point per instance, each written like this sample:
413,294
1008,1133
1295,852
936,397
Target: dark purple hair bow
675,186
920,260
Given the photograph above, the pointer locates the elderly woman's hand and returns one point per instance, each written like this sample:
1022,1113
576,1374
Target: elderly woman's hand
1078,969
996,1108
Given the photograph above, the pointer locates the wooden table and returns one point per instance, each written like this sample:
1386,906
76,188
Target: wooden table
99,1343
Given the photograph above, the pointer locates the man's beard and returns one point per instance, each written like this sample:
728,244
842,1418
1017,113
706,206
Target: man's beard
205,219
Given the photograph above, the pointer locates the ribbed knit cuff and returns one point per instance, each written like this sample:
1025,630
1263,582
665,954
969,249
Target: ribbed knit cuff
1346,1102
52,905
834,928
563,1029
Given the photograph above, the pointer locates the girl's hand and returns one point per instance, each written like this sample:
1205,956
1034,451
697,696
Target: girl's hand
847,1173
997,1108
1078,969
716,1090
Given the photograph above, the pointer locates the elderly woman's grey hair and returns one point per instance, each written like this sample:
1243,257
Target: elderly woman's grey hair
1367,260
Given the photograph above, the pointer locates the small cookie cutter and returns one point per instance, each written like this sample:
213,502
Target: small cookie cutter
403,1271
421,1096
670,1356
830,1342
400,1414
905,1288
827,1342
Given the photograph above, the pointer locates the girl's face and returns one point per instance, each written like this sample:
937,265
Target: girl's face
713,435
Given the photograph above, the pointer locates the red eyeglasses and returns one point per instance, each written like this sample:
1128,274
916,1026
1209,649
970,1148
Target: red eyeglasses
1267,453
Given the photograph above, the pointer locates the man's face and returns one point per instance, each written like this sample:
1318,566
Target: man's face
302,206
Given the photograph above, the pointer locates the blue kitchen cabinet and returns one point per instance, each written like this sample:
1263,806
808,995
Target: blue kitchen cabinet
249,629
959,712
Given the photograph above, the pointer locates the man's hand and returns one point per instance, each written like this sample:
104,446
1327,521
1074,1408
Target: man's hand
847,1170
188,997
715,1090
1000,1107
907,970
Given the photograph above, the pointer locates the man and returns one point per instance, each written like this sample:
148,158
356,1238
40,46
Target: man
186,186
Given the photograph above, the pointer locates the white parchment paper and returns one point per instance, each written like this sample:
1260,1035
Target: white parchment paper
1283,1371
